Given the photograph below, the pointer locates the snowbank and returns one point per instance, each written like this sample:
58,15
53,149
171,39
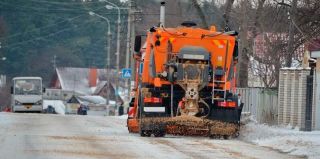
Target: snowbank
92,99
96,113
284,139
122,117
57,104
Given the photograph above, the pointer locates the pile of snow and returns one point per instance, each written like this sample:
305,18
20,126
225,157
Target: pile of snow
284,139
92,99
122,117
123,93
57,104
112,102
96,113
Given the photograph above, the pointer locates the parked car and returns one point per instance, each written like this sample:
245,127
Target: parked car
83,109
50,110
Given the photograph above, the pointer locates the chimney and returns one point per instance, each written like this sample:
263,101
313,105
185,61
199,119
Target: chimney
93,77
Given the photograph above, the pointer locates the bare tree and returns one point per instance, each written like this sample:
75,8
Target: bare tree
200,12
5,97
228,6
279,48
265,66
2,27
292,16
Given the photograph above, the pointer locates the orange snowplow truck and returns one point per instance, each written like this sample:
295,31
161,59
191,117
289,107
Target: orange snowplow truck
184,72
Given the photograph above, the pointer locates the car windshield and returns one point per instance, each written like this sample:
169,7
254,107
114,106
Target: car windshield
27,86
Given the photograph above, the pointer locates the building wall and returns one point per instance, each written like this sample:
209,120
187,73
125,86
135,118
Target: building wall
292,98
58,94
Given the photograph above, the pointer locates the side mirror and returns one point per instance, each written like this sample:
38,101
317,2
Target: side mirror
43,90
137,43
232,33
11,90
235,51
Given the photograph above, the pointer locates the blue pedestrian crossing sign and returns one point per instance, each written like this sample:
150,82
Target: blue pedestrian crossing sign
126,73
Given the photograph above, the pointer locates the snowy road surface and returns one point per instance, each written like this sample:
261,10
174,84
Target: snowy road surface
40,136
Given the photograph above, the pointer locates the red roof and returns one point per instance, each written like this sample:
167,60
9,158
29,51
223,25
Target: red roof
314,45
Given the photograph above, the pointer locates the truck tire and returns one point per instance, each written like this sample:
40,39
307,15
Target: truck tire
159,134
145,133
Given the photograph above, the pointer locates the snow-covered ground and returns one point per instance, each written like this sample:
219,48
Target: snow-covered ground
284,139
47,136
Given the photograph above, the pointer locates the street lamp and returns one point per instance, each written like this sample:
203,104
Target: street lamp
109,7
127,82
112,6
108,52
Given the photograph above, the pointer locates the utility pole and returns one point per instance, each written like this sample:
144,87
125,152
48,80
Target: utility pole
108,65
128,51
108,43
291,17
135,18
54,62
118,52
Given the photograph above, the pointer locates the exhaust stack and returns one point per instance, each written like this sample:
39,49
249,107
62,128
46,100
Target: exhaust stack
162,14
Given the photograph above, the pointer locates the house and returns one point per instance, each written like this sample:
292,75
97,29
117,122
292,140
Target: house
72,105
58,94
314,45
96,105
85,81
261,43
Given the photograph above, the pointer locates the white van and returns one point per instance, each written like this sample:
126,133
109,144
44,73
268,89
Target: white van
27,94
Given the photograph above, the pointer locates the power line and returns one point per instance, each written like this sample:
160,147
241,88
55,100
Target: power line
38,8
47,9
64,3
42,37
47,26
57,12
44,27
82,12
37,38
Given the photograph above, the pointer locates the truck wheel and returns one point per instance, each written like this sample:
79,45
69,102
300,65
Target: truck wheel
159,134
226,137
145,133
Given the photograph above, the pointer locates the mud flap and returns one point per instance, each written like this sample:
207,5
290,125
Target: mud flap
231,115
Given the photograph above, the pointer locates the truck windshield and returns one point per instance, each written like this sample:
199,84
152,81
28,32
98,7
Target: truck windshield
27,86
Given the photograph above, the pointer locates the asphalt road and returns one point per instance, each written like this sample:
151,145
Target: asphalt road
41,136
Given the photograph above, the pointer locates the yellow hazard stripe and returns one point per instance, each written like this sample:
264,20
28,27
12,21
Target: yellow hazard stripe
216,42
219,43
171,40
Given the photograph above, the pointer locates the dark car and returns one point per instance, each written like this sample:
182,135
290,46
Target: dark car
82,110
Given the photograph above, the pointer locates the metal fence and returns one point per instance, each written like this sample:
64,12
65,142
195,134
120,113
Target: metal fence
261,103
